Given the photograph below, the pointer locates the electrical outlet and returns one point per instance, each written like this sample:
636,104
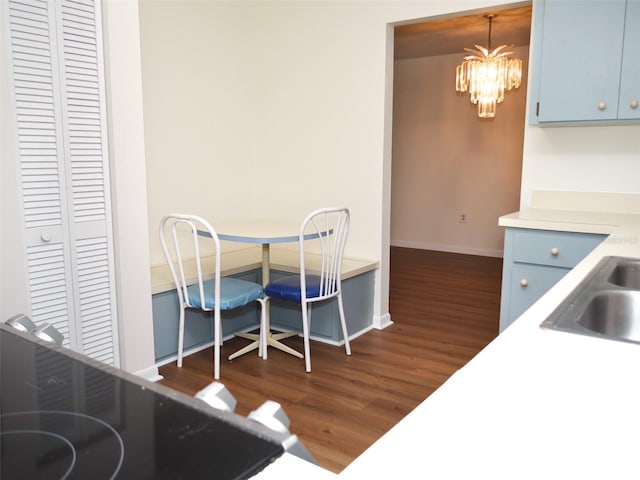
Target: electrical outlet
463,218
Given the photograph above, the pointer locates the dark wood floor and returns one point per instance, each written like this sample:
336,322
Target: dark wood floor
445,309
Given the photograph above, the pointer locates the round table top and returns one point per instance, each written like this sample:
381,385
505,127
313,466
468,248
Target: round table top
259,231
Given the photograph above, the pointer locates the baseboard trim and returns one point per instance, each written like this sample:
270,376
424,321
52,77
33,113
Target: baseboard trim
380,322
483,252
150,373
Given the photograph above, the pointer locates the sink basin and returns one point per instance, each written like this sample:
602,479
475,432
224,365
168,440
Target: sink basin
626,274
613,314
606,303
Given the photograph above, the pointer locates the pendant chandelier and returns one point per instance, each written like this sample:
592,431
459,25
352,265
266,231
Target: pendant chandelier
486,74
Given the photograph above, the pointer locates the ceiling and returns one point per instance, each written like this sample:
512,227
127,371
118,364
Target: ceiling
444,36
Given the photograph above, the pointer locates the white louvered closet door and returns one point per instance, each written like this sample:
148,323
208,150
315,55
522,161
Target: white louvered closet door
56,55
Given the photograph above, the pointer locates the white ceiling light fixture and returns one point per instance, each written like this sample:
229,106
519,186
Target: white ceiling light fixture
487,73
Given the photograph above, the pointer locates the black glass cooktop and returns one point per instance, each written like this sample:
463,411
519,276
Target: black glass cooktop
63,416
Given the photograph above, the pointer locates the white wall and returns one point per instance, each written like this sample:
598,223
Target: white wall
447,161
201,112
599,159
123,80
238,117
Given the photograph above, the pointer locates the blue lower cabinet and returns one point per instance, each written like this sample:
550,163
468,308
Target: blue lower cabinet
534,261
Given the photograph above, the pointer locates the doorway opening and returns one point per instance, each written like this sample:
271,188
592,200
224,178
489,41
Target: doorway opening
452,173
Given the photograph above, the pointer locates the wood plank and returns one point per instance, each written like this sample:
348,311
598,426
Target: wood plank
445,309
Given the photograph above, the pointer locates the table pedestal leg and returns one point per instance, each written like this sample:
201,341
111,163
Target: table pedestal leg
249,348
272,339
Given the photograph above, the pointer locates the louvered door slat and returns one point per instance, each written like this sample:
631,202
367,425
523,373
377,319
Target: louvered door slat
48,283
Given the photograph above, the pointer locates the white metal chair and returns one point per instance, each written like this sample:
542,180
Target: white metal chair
323,235
182,238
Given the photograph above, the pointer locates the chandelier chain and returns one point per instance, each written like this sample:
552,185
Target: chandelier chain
490,18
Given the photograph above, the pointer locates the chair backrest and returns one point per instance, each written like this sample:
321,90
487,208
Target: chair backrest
326,230
183,237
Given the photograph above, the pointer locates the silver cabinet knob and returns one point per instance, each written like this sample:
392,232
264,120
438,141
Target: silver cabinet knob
602,106
524,282
555,251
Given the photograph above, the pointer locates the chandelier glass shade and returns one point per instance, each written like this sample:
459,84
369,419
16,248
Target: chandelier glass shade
486,74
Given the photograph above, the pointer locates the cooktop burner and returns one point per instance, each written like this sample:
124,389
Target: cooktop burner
63,416
52,439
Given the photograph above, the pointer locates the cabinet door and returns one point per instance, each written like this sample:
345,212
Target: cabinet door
629,105
529,283
580,60
534,261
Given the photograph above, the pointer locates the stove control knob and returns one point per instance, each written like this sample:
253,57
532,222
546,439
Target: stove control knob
49,333
216,395
271,415
21,322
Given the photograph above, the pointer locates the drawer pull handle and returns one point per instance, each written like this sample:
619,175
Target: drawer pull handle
634,104
555,251
602,106
46,237
524,282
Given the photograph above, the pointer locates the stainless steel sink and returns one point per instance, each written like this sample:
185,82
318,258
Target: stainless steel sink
626,274
605,304
613,314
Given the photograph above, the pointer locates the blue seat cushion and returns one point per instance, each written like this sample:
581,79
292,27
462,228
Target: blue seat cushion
288,288
234,293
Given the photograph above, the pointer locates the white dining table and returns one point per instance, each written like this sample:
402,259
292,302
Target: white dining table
262,232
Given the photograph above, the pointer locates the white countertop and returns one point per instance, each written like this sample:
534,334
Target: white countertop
534,403
568,221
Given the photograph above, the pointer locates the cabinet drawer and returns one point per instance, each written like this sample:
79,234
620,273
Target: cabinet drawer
558,249
528,284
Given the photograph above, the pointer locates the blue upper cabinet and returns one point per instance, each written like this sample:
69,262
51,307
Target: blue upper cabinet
586,63
629,107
